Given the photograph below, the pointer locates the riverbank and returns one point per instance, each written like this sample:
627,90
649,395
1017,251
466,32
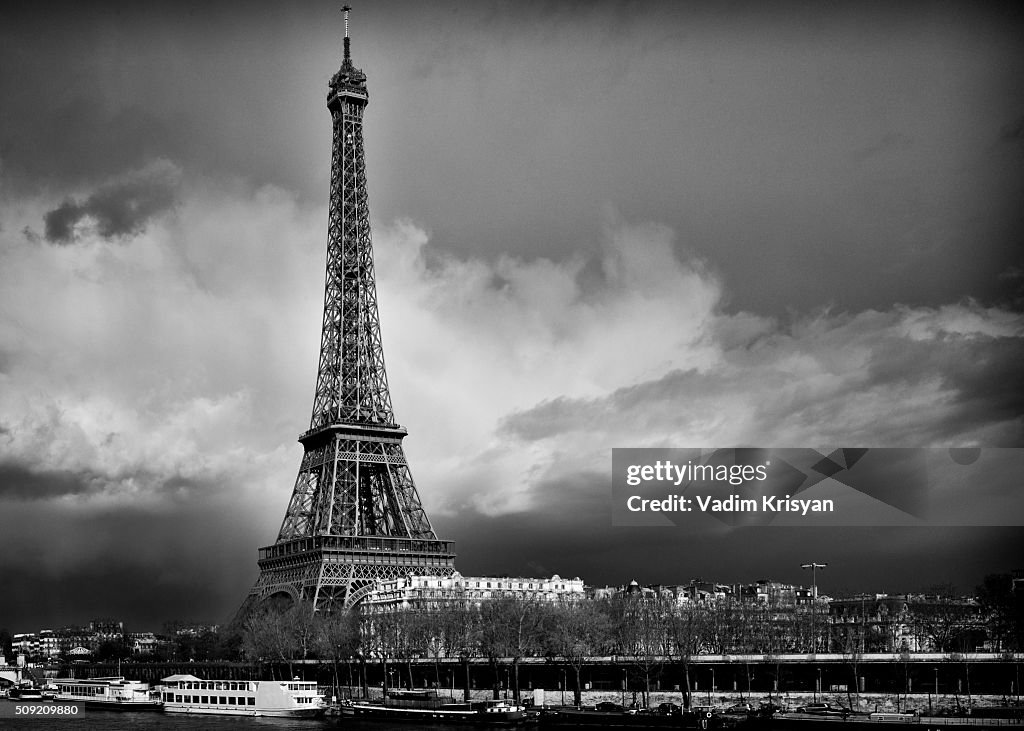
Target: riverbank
922,703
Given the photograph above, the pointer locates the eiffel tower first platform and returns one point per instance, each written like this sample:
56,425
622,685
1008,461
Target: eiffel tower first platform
354,516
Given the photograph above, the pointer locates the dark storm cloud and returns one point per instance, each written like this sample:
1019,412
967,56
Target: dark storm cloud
120,209
18,482
558,534
982,374
140,562
977,373
509,544
561,415
60,221
91,91
117,587
83,140
208,585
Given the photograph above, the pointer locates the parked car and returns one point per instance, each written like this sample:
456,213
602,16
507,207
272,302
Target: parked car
822,709
669,709
739,708
609,707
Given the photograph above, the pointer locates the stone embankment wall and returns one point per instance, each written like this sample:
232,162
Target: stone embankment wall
924,703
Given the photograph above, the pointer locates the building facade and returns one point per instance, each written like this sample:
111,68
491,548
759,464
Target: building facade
426,592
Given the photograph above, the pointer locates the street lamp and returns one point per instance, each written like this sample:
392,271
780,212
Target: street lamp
362,674
814,599
814,575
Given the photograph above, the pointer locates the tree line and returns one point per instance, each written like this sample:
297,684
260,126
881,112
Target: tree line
644,630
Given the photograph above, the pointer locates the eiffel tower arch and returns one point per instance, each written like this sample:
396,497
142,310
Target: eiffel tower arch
354,517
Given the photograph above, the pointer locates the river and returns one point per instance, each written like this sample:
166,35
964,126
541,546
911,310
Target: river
129,721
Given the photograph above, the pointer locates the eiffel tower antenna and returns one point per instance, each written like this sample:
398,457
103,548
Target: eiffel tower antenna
348,51
354,516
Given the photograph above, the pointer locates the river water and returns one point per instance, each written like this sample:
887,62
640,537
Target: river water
128,721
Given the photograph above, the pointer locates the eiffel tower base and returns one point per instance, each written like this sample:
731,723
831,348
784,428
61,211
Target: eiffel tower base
337,572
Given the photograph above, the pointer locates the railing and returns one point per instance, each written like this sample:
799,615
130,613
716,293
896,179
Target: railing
382,544
969,721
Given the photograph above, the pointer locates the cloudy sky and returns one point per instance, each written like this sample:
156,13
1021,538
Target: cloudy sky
596,225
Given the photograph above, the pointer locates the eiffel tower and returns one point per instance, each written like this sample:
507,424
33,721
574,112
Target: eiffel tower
354,516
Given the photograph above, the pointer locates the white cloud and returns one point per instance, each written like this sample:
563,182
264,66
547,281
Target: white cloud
162,359
187,357
512,378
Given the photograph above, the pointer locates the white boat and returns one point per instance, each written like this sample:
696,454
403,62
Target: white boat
107,693
288,698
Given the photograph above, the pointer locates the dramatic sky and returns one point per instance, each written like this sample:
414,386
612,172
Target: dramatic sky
596,225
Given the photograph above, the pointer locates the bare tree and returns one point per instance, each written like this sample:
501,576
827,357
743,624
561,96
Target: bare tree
642,634
948,623
279,634
1001,610
463,635
577,631
687,628
336,638
511,627
850,638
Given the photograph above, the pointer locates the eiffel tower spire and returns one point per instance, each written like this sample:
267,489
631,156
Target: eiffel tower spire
354,516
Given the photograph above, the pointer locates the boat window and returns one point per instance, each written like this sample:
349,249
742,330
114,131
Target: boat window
252,701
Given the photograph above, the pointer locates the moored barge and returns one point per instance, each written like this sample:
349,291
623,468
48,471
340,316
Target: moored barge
426,706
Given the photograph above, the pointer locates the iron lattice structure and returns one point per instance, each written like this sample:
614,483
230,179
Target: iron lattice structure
355,516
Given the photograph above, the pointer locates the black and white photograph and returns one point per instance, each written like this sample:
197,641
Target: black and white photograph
400,364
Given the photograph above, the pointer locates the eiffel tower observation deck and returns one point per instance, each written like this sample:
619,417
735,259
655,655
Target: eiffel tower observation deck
355,516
